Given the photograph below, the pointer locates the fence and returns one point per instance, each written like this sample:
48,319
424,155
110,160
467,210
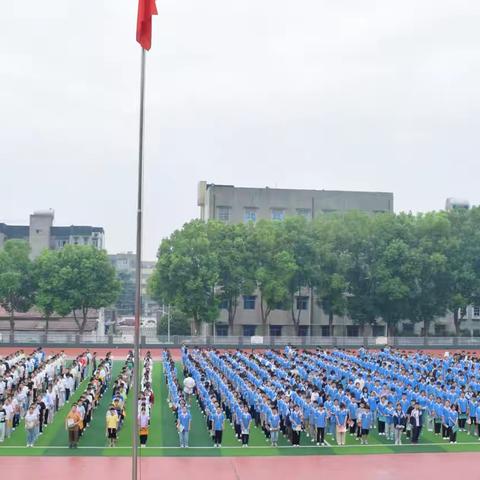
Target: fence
155,341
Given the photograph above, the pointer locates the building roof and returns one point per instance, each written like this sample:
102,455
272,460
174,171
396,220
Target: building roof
80,230
14,231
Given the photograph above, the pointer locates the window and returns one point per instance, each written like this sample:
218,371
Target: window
249,302
408,329
378,330
221,330
440,330
250,214
302,303
476,333
303,331
249,330
223,214
275,330
278,213
476,311
352,330
325,331
305,213
224,304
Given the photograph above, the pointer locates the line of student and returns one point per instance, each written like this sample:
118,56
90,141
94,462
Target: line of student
34,388
339,392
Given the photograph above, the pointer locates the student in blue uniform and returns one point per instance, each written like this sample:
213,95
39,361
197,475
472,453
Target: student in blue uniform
320,419
453,422
366,421
274,426
183,426
218,426
245,423
296,420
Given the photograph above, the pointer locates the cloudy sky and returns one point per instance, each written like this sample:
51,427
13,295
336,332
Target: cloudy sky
345,94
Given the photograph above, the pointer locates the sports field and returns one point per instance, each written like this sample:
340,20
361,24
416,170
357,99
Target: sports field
163,439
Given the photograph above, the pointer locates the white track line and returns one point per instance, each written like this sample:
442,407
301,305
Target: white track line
251,447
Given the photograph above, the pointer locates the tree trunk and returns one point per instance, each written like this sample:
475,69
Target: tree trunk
296,319
47,318
391,329
265,312
330,323
232,311
12,322
426,326
194,325
457,321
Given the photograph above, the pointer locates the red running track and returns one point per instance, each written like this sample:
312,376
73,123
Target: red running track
358,467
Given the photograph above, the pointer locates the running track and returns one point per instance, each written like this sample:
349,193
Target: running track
369,467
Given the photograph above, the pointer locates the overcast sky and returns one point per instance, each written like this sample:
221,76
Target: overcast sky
339,94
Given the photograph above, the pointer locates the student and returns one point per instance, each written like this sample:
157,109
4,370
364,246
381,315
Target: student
389,428
274,426
31,425
245,423
453,422
399,424
3,422
341,419
218,425
183,426
111,426
320,419
416,422
143,423
73,425
366,422
296,419
462,408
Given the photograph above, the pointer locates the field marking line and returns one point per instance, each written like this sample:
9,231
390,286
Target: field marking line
251,447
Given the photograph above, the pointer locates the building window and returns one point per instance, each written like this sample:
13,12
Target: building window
249,330
352,330
440,330
303,331
325,330
305,213
249,302
278,213
250,214
275,330
302,303
224,304
223,214
378,330
221,330
476,311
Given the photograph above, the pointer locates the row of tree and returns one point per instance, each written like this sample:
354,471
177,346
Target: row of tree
68,281
371,267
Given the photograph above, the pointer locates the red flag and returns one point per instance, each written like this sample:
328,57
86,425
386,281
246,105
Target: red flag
146,8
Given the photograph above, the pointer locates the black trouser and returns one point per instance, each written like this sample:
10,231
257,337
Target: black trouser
238,430
461,423
218,437
444,431
381,426
415,433
452,434
437,427
245,437
353,426
67,394
143,439
320,434
295,437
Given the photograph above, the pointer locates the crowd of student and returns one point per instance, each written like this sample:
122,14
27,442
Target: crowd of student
335,393
146,399
34,387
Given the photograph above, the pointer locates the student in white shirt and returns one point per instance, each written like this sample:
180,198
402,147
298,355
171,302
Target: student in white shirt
31,425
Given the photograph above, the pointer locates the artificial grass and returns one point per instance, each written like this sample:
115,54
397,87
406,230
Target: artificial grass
163,438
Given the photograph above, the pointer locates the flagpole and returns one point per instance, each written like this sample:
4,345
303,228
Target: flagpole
138,273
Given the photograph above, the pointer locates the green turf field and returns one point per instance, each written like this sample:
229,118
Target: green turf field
163,438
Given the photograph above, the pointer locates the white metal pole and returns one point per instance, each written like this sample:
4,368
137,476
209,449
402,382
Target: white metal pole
138,274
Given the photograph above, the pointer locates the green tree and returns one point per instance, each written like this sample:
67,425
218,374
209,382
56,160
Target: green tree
180,324
76,279
187,273
463,263
45,268
235,275
17,283
274,267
